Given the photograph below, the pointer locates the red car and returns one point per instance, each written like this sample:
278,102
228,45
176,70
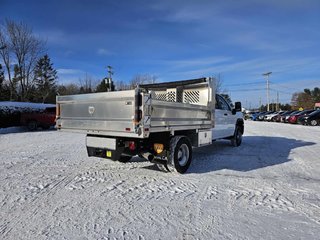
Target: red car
44,119
294,118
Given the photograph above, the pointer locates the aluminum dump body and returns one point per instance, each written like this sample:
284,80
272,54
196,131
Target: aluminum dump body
183,105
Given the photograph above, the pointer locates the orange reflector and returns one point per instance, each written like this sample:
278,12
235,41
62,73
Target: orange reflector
158,147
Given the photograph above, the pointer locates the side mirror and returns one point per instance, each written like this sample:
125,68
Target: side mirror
237,106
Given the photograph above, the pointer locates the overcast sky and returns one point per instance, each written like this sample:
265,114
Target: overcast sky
177,40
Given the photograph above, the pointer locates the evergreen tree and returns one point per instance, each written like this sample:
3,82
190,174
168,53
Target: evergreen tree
104,86
16,78
2,85
45,77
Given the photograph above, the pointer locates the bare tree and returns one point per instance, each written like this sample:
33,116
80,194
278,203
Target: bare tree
87,84
68,89
6,56
142,79
218,83
23,48
121,85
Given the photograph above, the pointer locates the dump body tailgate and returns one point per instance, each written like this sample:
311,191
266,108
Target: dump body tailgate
108,113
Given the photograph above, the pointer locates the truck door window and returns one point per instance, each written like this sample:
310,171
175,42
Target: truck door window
222,104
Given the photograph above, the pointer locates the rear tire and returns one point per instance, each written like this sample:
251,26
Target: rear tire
237,137
180,154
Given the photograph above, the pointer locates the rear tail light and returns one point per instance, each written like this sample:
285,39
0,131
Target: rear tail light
132,145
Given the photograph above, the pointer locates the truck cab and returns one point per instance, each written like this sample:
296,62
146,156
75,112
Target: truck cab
226,119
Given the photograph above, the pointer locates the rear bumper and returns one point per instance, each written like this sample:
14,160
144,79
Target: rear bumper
101,142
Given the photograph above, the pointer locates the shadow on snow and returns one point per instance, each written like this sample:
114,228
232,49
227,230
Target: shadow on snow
254,153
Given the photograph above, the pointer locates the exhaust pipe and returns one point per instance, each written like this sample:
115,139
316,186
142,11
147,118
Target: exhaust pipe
148,156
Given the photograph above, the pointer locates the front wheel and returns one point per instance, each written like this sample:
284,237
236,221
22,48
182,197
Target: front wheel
180,155
236,140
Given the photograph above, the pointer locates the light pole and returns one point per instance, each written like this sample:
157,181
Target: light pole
267,77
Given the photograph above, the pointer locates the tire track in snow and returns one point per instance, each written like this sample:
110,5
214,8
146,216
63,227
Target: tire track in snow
31,209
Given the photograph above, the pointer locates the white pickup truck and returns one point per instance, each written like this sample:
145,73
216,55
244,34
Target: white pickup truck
160,122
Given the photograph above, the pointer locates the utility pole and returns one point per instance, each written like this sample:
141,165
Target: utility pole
260,104
110,72
268,100
278,101
109,78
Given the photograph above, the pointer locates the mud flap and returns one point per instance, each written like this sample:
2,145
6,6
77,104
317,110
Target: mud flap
105,153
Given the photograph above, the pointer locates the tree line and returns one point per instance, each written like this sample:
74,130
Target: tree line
27,72
306,99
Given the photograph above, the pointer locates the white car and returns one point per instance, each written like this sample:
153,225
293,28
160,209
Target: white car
269,117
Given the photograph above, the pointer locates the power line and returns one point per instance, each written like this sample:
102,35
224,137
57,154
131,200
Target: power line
248,90
276,90
248,83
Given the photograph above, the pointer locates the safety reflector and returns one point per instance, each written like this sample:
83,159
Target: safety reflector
158,147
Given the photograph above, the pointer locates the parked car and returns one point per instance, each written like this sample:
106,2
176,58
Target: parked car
44,119
294,117
254,116
277,118
312,119
285,117
248,115
269,117
261,116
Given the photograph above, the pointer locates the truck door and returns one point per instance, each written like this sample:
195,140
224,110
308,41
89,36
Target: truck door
224,124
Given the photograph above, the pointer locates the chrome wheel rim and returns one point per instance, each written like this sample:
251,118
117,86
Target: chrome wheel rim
313,122
183,154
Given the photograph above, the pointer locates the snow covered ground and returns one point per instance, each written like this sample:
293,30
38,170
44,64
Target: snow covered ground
268,188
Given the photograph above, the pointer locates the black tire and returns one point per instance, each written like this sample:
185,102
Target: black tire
313,123
32,125
236,140
180,154
124,158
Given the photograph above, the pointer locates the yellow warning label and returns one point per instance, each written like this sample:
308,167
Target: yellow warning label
109,153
